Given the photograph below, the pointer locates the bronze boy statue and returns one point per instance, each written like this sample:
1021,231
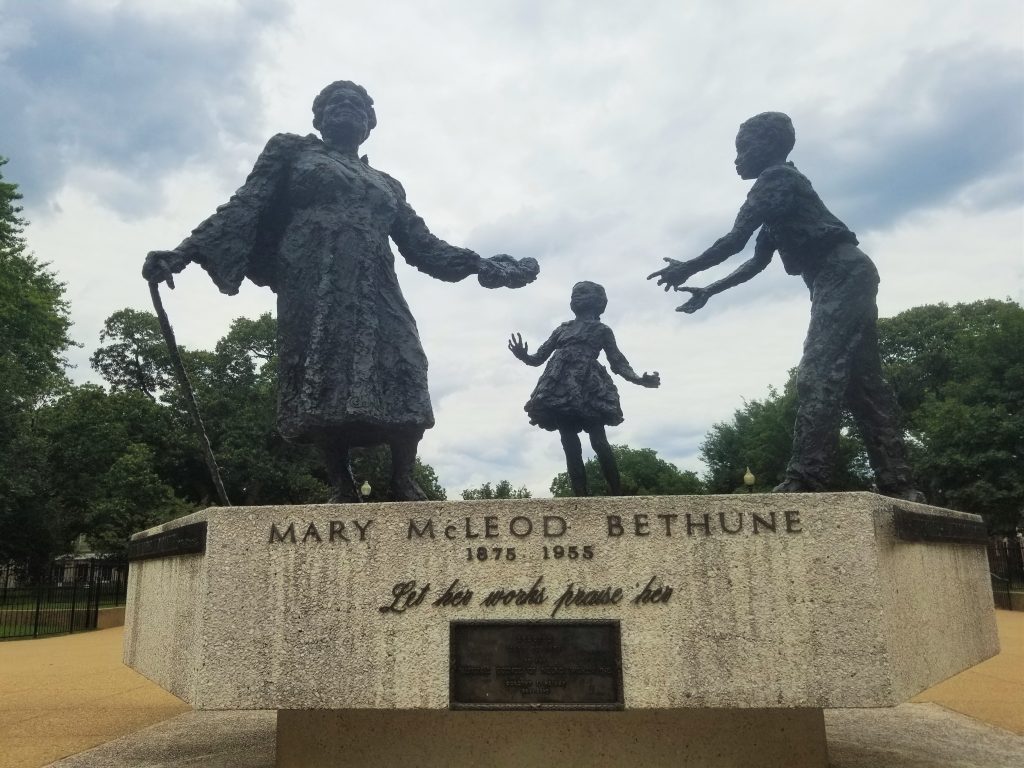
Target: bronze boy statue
840,361
575,393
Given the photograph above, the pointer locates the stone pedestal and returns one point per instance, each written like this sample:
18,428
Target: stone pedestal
740,618
659,738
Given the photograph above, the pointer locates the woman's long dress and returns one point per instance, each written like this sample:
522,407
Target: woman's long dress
313,225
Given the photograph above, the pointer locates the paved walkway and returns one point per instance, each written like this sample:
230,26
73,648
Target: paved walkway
993,691
60,696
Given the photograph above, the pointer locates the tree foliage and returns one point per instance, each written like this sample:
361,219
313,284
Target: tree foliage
236,388
109,462
34,327
760,437
642,474
502,490
135,357
958,372
130,497
34,319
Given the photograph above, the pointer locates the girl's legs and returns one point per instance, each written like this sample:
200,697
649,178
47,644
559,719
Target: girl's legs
599,441
574,460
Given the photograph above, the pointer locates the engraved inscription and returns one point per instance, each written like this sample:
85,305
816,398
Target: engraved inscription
330,532
493,538
406,595
487,527
670,525
185,540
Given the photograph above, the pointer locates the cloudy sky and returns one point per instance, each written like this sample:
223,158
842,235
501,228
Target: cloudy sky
595,136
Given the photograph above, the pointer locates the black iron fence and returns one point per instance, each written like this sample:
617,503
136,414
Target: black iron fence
1006,562
68,601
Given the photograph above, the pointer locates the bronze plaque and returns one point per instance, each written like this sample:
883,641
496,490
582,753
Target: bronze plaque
918,526
546,664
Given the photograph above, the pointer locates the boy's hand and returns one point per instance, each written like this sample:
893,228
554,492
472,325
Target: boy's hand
675,274
698,299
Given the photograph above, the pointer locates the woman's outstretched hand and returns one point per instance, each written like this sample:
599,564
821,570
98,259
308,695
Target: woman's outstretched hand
652,380
503,271
518,347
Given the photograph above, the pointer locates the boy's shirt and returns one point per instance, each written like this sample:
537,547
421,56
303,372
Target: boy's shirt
796,222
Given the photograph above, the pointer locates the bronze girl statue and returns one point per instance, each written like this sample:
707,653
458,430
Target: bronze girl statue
575,393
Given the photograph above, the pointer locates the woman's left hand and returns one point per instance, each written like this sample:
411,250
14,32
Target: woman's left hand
503,271
652,380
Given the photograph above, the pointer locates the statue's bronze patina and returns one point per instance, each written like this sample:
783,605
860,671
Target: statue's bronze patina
575,393
312,223
840,363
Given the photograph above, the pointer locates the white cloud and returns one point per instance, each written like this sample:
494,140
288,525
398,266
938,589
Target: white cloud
594,136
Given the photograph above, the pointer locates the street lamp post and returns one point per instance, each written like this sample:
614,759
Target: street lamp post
365,490
749,480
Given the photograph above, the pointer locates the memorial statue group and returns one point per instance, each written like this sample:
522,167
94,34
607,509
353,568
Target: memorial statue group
312,223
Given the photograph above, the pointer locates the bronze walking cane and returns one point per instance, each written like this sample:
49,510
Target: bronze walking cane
186,389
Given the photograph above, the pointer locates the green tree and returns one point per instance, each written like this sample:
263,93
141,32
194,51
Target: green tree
34,326
760,436
103,479
236,388
249,346
11,224
135,357
503,490
34,319
642,473
958,372
31,525
131,497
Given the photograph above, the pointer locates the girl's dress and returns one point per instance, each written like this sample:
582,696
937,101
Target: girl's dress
575,390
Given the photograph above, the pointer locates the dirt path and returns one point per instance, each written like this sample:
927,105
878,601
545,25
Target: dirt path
993,691
61,695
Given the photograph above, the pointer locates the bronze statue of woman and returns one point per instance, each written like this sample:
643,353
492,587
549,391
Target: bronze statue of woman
312,223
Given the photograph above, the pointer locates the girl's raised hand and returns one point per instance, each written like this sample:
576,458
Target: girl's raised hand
517,346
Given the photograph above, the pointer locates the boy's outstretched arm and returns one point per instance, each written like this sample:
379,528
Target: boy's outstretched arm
764,249
678,272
